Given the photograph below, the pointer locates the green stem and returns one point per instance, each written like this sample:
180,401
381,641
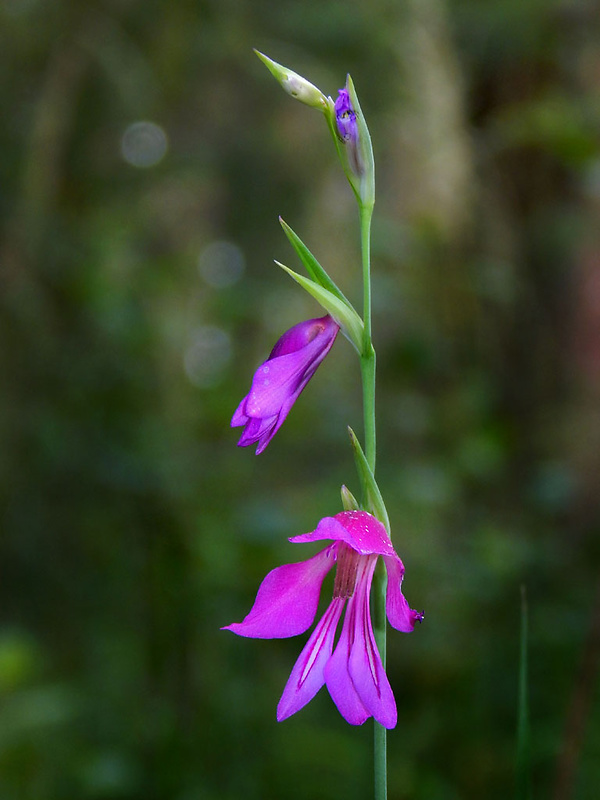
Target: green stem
367,368
367,359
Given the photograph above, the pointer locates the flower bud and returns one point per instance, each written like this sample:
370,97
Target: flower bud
354,144
281,379
349,502
294,84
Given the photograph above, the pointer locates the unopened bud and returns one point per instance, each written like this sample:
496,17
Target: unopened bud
349,502
354,144
294,84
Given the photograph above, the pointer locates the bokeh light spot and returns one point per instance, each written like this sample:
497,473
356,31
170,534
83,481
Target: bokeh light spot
221,264
207,356
144,144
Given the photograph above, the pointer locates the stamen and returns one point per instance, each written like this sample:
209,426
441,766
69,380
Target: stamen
345,574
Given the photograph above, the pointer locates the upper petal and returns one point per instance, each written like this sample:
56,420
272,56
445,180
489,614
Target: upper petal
287,599
292,363
307,676
399,613
321,331
362,531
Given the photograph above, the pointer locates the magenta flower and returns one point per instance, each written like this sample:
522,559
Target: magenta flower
278,382
286,605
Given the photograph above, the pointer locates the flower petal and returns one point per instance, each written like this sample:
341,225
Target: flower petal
364,663
240,417
274,423
362,531
292,363
307,677
257,430
400,615
278,379
287,599
338,680
322,330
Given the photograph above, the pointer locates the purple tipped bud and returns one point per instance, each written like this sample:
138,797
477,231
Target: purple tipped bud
347,125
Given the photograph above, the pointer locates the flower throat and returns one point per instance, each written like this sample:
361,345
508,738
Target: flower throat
346,569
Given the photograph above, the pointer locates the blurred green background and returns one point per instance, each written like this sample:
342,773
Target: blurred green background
145,155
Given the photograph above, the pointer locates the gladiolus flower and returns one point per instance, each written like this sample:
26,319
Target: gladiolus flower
286,605
278,382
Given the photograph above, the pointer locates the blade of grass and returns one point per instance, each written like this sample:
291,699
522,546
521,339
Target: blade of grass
523,769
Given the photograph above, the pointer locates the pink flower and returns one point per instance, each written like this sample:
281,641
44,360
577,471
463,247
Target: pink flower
278,382
286,605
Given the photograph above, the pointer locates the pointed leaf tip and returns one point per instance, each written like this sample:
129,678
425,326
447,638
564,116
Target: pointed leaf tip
372,494
342,312
310,263
295,85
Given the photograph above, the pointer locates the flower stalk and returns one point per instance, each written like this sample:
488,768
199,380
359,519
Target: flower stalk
368,364
368,358
368,572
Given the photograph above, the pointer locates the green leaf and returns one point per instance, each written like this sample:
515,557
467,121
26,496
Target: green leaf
523,770
341,310
373,498
312,266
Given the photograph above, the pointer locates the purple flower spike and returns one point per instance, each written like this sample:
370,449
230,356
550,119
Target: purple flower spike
286,605
278,382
